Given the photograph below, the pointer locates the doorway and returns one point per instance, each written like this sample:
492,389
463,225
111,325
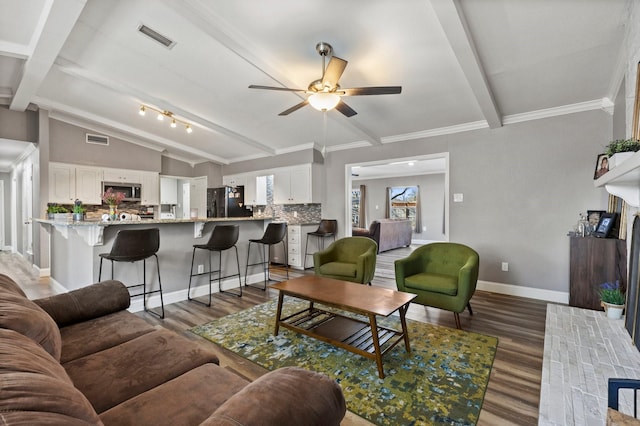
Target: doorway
385,173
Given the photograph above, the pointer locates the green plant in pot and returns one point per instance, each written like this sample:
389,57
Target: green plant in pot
622,145
55,209
613,299
78,210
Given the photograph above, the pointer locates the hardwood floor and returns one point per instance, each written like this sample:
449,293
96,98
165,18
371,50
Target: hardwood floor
513,393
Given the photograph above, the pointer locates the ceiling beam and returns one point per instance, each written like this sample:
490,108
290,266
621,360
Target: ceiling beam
197,12
56,23
454,24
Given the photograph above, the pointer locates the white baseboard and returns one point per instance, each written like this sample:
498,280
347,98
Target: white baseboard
57,287
197,291
43,272
530,292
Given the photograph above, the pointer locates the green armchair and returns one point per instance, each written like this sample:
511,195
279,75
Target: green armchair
442,275
348,259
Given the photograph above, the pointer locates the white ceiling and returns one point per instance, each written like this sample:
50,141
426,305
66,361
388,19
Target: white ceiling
462,64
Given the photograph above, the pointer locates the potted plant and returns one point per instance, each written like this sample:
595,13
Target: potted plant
621,149
78,211
56,212
612,299
112,198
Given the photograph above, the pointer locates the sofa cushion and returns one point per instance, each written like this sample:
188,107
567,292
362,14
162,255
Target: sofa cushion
339,269
34,386
102,333
22,315
434,283
86,303
112,376
210,385
289,399
8,284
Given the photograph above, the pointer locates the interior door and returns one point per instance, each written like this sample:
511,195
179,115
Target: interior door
27,210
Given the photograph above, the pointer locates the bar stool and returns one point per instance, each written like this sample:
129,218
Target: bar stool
327,228
133,245
274,234
223,237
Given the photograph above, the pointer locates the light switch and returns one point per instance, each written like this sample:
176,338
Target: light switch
458,198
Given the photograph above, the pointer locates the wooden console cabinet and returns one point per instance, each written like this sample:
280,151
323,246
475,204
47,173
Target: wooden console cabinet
594,261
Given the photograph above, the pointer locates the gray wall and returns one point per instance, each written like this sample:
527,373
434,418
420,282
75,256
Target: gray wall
524,185
68,146
432,193
173,167
19,126
291,159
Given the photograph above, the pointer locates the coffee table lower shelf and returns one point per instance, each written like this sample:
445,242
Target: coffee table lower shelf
345,332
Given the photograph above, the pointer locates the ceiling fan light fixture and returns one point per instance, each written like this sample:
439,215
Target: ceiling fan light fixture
324,101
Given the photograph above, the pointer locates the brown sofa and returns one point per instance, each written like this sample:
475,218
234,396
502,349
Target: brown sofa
80,358
388,233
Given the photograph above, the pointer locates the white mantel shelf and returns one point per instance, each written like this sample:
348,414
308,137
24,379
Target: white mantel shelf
623,181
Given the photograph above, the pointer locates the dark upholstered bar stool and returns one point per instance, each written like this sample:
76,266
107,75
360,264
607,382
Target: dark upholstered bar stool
274,234
133,245
327,228
223,237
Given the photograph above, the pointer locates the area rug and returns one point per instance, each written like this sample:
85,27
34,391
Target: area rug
441,381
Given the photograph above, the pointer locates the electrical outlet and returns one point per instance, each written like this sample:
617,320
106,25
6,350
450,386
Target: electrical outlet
424,229
295,214
458,197
200,269
505,266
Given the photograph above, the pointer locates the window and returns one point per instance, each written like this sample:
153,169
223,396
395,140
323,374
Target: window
403,201
355,207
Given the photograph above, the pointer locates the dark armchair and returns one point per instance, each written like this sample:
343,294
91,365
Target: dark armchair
442,275
348,259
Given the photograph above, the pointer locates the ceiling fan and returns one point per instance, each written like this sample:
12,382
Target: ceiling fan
325,93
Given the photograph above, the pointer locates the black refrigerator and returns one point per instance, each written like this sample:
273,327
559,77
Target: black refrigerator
226,201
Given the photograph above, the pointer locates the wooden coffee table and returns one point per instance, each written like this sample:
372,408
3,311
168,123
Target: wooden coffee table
363,337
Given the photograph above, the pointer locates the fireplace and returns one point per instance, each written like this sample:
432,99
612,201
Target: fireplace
633,292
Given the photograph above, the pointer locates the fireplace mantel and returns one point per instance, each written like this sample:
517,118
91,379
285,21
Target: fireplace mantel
623,181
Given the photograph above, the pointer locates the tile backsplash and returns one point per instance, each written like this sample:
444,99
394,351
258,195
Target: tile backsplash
292,213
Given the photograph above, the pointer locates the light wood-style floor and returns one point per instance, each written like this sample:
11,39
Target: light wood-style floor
513,394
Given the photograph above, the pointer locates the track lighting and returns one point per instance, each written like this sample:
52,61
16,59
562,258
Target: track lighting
162,114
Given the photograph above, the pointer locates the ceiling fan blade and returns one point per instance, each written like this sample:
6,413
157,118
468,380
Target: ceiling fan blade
285,89
345,109
294,108
333,72
382,90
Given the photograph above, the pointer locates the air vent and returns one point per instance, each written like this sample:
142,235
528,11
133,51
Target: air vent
97,139
156,36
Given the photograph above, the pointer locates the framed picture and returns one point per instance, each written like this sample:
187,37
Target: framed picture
602,166
605,225
593,217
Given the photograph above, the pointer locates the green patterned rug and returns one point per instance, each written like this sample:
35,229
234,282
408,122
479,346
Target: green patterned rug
442,380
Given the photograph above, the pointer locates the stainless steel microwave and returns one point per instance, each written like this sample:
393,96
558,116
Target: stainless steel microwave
131,191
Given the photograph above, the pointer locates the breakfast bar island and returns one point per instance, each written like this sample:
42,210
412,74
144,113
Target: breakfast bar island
75,248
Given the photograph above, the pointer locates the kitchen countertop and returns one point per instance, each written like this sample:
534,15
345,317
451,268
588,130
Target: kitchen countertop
142,221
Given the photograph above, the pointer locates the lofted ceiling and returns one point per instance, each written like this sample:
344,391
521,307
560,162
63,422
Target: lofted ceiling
462,65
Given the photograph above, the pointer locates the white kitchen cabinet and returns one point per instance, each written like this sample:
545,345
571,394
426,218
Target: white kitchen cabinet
150,189
296,243
122,176
168,190
68,182
293,185
62,183
234,180
88,185
255,190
